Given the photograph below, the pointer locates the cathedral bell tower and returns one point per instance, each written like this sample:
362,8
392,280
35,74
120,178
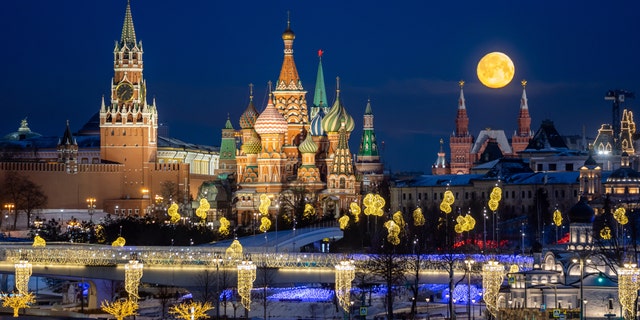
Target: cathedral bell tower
128,126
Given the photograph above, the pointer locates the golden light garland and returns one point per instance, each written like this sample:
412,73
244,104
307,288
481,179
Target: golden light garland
234,252
492,277
223,230
447,201
393,232
174,216
418,217
203,209
494,200
344,222
265,203
628,289
309,210
373,205
132,276
398,218
246,277
265,224
191,310
22,275
355,210
514,268
621,216
119,242
345,273
605,233
39,242
464,223
18,301
121,308
557,217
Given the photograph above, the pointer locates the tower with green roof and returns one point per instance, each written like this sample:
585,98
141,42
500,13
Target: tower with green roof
368,163
227,162
320,93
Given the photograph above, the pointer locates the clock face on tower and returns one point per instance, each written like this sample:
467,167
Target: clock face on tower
124,91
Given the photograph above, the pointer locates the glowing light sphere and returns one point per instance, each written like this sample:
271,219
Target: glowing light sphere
495,70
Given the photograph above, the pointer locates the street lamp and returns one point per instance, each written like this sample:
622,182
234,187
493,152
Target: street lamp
484,229
581,301
91,205
469,263
9,207
217,259
427,300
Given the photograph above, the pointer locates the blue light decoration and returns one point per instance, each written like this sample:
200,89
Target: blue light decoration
461,294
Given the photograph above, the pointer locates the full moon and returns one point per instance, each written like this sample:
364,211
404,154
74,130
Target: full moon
495,70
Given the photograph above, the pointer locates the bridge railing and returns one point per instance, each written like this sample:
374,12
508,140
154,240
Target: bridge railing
206,257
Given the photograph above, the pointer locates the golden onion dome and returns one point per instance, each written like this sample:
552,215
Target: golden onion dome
288,34
252,145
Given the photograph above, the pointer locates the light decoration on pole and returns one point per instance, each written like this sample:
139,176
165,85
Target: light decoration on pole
265,203
345,273
355,210
39,242
120,308
373,205
393,232
203,209
628,286
605,233
246,277
621,216
557,218
344,222
399,219
465,223
494,200
119,242
223,230
132,276
191,310
418,217
174,216
234,252
23,273
309,210
447,201
492,277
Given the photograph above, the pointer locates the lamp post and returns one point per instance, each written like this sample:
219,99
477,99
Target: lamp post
217,259
469,263
427,300
581,301
91,206
484,229
9,207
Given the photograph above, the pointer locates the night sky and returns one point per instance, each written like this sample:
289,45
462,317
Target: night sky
407,57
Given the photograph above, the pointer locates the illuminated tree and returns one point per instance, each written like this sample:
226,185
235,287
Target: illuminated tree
191,310
18,301
121,308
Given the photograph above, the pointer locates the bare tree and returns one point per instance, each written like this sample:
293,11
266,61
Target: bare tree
265,276
165,295
25,195
390,268
206,282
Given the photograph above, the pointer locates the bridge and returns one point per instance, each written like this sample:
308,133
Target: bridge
100,265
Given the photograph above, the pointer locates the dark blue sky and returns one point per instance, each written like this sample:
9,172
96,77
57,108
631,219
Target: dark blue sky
407,57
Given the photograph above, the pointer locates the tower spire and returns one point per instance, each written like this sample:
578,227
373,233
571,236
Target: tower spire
524,120
462,120
320,93
128,32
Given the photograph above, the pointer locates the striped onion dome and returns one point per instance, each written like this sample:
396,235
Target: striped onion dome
308,146
333,120
316,124
270,121
252,145
249,116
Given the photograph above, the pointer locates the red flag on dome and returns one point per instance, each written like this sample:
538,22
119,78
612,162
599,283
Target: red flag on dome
320,52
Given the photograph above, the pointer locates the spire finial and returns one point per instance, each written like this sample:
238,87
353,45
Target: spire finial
461,83
128,36
269,84
250,91
524,83
288,19
338,84
320,52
